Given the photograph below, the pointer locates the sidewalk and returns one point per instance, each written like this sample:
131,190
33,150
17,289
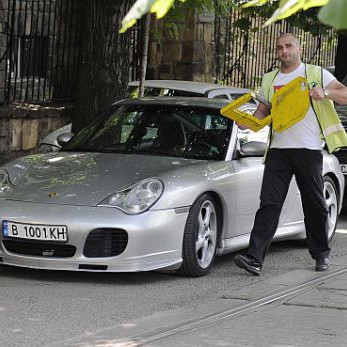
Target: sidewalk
299,308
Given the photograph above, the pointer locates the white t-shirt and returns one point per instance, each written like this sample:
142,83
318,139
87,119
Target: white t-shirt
305,133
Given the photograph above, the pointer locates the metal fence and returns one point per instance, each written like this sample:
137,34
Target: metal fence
34,31
42,52
242,57
42,49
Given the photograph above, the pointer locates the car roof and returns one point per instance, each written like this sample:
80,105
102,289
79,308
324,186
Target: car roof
176,101
189,86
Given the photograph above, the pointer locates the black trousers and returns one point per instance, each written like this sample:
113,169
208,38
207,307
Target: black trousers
280,166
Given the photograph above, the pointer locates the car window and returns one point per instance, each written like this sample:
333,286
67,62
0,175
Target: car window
184,131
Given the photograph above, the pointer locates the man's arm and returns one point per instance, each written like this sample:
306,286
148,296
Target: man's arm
261,112
334,91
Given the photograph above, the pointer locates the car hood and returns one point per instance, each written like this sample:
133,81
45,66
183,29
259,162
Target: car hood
82,178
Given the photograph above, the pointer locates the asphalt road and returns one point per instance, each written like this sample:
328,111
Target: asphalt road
42,308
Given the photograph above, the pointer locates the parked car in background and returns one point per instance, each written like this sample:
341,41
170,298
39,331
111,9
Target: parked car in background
162,88
342,153
151,183
185,88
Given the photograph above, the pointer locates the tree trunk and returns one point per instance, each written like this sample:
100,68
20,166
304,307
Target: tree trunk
144,57
103,71
341,58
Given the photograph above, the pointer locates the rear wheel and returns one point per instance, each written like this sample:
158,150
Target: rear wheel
201,235
331,199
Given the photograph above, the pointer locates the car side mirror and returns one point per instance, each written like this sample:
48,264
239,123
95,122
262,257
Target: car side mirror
252,149
64,138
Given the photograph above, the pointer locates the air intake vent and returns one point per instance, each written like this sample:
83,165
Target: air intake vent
92,267
106,242
39,249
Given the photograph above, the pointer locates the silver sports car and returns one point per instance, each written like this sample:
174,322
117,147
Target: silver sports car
152,183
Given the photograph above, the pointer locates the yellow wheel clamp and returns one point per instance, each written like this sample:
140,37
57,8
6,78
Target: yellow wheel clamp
289,105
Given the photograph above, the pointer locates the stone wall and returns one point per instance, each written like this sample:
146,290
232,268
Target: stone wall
190,58
23,126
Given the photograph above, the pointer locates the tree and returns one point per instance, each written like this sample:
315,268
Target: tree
103,71
162,7
332,13
141,7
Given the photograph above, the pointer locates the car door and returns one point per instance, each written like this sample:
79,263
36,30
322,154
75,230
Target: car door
248,179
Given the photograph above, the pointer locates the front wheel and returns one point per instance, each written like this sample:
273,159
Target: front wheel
331,200
201,235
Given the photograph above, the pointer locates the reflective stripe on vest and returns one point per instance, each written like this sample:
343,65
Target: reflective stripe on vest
332,129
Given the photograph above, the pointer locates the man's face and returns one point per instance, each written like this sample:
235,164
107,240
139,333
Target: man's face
288,51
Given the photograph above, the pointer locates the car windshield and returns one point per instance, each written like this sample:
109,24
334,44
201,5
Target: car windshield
181,131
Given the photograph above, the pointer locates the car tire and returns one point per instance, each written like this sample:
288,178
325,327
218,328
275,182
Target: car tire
332,200
201,236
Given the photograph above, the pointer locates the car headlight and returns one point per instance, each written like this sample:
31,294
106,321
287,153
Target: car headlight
136,198
5,182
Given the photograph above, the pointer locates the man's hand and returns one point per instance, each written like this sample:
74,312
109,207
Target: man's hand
334,91
262,111
317,93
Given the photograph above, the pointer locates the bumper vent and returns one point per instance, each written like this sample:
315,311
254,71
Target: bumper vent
105,243
39,249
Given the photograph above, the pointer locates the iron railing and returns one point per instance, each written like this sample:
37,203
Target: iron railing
42,53
243,56
38,33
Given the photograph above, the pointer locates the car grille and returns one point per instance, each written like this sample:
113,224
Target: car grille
105,243
40,249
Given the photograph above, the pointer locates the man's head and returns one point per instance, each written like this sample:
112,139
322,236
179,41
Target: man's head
288,51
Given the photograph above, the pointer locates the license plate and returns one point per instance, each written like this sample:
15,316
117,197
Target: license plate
34,231
343,168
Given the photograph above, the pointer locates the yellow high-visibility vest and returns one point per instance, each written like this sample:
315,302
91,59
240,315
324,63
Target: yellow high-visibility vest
331,128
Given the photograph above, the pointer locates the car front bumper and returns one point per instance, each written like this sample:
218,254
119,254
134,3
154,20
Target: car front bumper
154,237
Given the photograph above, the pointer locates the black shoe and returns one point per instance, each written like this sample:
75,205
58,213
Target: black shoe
247,263
322,264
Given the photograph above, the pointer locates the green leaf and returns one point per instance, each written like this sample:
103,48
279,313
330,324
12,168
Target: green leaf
161,7
314,3
334,14
141,7
136,12
288,7
254,3
243,23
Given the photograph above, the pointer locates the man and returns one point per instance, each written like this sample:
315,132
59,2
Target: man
297,151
